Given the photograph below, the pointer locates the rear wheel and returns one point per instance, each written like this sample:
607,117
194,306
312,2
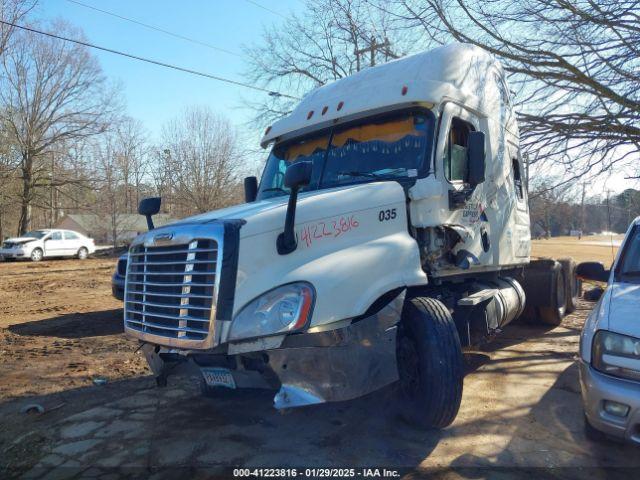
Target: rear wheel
554,313
36,254
83,253
430,364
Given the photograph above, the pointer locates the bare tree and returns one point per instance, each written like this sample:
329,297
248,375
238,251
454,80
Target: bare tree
200,161
573,64
109,187
132,153
12,11
51,92
330,40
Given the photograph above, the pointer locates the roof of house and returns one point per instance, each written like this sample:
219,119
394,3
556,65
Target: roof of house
124,221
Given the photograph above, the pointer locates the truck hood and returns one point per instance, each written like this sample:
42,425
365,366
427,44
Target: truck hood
623,309
20,239
269,215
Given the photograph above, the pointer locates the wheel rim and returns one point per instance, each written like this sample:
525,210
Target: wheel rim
36,255
82,253
408,367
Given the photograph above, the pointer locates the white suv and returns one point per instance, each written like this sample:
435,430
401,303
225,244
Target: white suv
39,244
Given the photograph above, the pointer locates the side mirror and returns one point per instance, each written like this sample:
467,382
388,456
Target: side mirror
592,271
149,207
250,189
476,158
296,176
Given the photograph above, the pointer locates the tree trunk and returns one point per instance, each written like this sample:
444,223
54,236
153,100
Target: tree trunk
27,193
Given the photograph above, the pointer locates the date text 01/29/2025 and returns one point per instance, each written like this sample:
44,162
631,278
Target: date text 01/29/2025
315,472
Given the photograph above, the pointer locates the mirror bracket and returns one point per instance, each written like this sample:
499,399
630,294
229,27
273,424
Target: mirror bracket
149,207
296,176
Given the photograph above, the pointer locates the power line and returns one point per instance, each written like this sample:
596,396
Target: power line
158,29
266,8
155,62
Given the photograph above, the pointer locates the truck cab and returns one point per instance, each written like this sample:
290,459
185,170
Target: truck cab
389,230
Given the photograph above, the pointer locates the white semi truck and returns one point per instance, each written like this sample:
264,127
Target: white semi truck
389,231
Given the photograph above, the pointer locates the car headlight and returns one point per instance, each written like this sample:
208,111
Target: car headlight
616,354
281,310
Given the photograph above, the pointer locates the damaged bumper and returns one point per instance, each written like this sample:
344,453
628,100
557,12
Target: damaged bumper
305,369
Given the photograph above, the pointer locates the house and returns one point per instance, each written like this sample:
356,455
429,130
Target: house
101,227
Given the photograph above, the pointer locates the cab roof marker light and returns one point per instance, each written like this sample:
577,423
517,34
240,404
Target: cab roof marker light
324,109
310,114
340,105
266,132
405,89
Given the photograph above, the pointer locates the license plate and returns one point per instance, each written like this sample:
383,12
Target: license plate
218,377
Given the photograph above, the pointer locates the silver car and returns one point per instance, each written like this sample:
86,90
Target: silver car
610,346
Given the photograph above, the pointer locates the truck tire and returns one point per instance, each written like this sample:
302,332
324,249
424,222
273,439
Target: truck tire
430,364
574,284
554,313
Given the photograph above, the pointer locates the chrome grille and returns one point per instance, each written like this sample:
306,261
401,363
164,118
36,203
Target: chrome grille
170,289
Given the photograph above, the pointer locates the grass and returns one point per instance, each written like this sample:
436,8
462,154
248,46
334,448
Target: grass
596,248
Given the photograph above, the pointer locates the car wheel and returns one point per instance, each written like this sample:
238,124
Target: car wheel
36,254
83,253
430,364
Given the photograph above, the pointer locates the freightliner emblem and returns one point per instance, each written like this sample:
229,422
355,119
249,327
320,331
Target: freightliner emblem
163,237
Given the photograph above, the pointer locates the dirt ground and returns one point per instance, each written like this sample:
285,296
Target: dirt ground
60,330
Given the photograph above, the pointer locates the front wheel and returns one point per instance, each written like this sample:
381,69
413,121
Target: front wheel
83,253
430,364
36,254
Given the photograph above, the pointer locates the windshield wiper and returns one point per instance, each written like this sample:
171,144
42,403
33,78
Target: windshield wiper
361,174
274,189
386,174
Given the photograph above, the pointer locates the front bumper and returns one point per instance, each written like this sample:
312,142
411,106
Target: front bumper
596,389
310,368
13,253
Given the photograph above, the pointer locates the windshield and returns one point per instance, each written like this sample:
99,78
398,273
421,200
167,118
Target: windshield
629,267
35,234
387,147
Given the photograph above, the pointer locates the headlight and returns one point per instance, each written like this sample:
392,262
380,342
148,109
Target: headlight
616,354
281,310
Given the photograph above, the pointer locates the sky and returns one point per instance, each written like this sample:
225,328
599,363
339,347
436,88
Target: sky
155,94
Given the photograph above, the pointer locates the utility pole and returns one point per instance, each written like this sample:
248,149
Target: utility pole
372,48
